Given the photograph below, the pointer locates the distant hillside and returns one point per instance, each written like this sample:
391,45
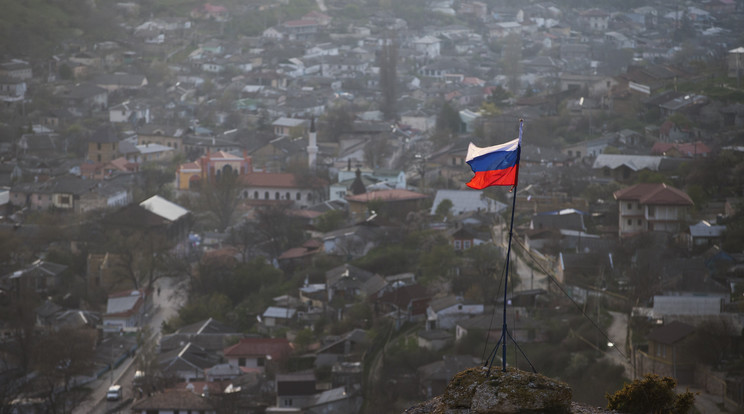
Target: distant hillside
37,28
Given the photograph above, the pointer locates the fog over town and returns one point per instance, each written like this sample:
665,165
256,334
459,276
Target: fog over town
260,206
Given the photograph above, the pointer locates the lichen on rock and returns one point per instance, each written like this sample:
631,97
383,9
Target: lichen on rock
497,392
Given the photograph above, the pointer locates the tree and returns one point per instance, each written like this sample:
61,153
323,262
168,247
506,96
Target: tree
444,208
377,151
336,121
448,119
651,394
511,59
388,62
220,198
484,263
280,231
146,361
59,357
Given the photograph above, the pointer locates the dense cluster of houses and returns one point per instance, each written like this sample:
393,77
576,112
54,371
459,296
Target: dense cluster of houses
255,107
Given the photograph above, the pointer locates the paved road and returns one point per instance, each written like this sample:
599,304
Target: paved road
618,333
165,305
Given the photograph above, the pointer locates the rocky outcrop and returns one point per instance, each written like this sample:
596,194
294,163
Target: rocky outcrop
514,391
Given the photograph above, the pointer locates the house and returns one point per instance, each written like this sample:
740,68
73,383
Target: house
117,81
173,401
665,355
444,312
16,68
61,193
277,315
103,145
391,203
349,346
283,188
427,46
594,20
277,154
291,127
40,277
209,334
12,89
132,112
162,135
154,216
566,219
125,309
350,242
256,353
625,167
339,400
85,97
295,389
187,362
651,207
434,339
348,281
704,235
403,303
681,150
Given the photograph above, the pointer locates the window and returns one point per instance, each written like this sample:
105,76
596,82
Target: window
630,206
64,199
98,157
458,245
266,195
261,362
651,211
630,222
241,362
299,196
276,195
287,402
255,195
639,222
289,197
466,244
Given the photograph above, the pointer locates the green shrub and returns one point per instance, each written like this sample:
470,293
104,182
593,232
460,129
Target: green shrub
652,394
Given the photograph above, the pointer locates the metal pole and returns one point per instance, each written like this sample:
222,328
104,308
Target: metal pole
506,279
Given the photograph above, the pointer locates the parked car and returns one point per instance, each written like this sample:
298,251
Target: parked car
114,393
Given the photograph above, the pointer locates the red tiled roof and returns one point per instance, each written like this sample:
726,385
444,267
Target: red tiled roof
387,195
281,180
276,347
654,193
190,166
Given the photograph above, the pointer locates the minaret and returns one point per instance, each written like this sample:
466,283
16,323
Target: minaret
312,146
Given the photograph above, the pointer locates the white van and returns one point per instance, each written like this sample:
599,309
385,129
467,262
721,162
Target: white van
114,393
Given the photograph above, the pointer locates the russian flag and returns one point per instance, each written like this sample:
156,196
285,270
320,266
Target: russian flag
496,165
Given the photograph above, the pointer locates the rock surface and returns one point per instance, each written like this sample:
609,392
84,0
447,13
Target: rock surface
514,391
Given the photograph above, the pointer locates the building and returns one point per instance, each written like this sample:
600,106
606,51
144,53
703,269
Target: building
651,207
124,310
210,167
255,353
283,188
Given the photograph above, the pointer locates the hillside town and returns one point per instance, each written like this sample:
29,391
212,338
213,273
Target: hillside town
225,207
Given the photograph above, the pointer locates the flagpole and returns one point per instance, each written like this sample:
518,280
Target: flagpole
508,256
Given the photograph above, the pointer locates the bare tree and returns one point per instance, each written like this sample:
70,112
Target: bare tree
220,198
59,358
